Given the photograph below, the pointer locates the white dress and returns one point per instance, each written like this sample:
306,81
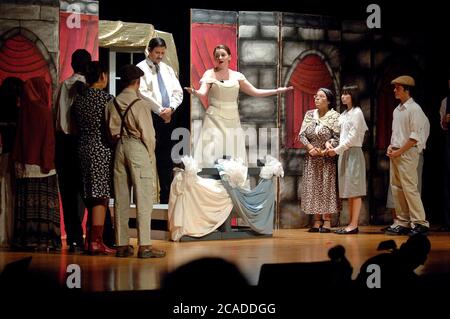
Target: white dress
221,130
197,206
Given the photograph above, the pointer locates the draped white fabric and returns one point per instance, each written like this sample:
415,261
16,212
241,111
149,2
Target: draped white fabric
271,168
197,206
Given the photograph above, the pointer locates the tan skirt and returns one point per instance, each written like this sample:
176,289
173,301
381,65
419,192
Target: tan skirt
352,173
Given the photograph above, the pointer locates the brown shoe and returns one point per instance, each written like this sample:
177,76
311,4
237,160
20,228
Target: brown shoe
149,252
125,251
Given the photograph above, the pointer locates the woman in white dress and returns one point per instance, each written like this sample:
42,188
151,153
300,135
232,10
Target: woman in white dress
222,134
351,163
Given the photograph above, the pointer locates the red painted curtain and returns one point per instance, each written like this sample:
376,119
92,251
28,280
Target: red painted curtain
72,38
310,74
205,37
20,58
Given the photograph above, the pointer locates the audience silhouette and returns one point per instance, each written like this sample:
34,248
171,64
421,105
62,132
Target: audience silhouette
395,269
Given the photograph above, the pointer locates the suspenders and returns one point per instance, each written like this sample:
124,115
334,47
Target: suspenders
122,116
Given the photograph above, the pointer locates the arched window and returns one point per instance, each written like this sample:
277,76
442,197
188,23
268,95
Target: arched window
310,74
20,58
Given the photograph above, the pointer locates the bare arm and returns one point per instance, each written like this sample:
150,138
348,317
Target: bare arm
249,89
204,85
393,153
201,92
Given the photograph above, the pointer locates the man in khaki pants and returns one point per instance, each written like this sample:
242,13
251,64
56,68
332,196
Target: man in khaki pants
130,124
407,141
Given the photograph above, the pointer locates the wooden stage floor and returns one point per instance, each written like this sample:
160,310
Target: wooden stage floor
104,273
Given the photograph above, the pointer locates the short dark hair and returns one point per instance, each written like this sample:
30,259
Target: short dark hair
353,91
94,71
222,47
330,97
80,60
156,42
408,88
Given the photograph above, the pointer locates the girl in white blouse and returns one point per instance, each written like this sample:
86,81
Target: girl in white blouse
351,164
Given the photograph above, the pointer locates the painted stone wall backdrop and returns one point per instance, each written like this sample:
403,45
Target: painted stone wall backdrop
258,61
37,21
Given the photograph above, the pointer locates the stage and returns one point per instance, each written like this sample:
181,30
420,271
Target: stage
104,273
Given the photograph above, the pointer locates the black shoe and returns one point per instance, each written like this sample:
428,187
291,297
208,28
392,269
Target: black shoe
324,230
342,231
419,229
397,230
314,230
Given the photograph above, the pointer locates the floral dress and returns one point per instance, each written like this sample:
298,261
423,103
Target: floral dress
94,150
319,188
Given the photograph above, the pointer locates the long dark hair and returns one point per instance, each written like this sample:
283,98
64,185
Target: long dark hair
94,71
353,91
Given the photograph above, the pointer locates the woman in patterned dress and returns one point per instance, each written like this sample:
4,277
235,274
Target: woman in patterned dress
319,131
94,151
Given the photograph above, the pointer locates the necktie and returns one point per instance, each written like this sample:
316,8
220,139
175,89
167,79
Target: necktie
162,88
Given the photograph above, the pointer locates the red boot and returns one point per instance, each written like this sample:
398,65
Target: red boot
96,245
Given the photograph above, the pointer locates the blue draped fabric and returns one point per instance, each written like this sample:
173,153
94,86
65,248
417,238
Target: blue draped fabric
256,207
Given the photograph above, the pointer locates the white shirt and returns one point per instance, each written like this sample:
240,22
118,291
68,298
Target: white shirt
149,88
353,128
425,131
409,122
442,112
64,102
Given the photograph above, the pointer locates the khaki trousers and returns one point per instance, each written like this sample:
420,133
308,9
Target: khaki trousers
133,167
407,200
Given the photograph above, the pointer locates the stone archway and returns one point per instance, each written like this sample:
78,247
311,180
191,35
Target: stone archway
309,74
24,55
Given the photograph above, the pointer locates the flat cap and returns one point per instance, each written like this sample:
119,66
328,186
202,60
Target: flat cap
129,73
404,80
